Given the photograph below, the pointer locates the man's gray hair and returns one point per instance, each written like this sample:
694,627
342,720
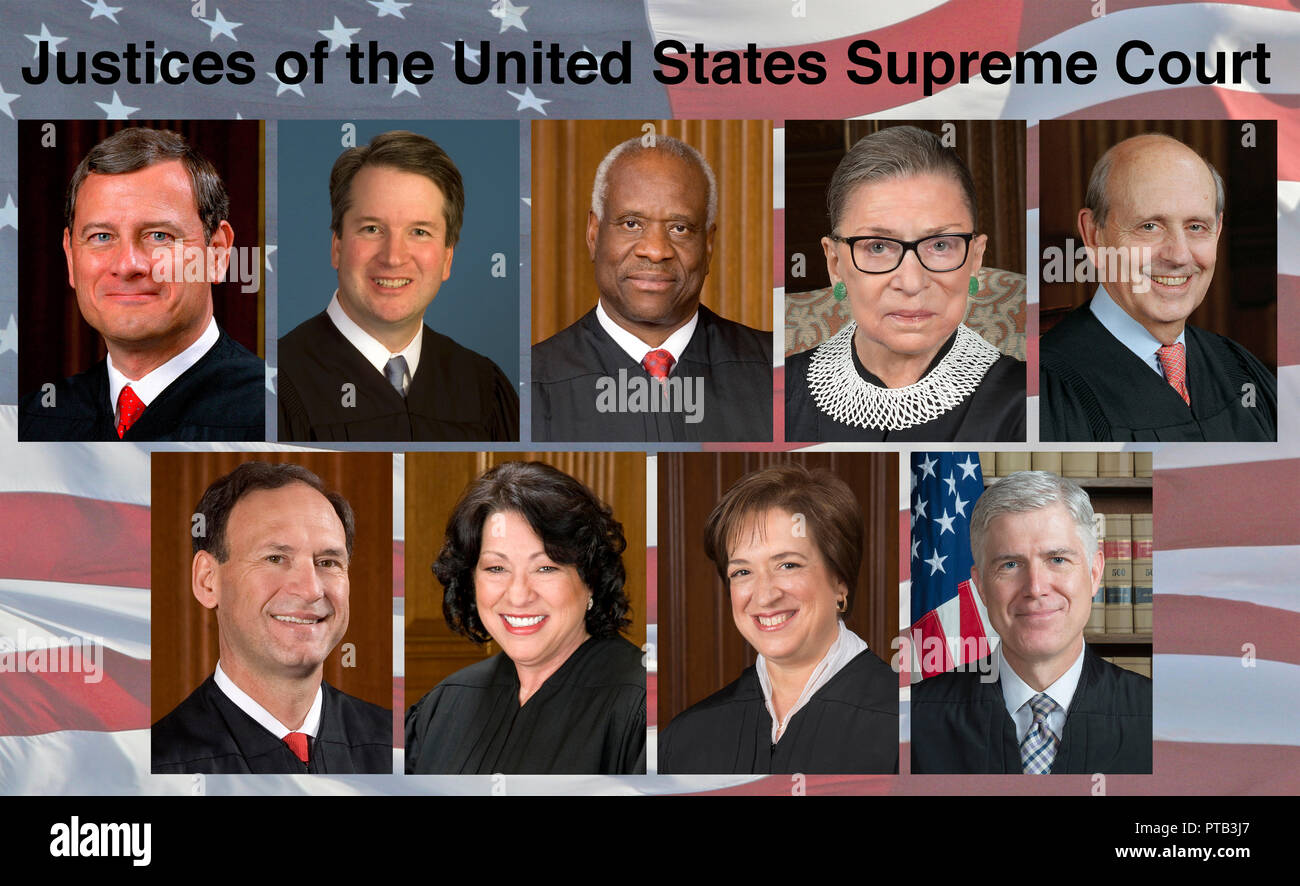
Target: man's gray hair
667,143
1097,200
1032,491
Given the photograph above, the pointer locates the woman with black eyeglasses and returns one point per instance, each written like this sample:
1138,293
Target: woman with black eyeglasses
904,252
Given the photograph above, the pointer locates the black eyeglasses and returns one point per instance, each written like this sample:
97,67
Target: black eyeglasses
880,255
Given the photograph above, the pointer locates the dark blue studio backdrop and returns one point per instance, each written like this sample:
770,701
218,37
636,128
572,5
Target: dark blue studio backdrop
475,308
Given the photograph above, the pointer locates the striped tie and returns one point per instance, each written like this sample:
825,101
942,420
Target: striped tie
1173,360
1038,750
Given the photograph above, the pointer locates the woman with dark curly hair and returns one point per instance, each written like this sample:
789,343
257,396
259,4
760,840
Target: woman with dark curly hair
532,560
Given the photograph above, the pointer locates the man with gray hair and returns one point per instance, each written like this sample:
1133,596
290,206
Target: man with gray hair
649,362
1127,365
1043,702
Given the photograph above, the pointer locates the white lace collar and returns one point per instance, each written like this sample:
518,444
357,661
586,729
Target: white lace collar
847,397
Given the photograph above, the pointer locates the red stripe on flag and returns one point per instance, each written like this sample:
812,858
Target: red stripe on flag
399,568
1181,620
1247,504
954,27
35,528
652,699
37,703
932,638
972,627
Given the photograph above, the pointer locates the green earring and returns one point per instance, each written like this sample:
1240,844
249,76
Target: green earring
974,286
840,291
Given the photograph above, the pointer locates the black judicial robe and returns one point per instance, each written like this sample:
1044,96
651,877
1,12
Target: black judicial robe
960,724
734,361
588,718
455,394
995,410
208,733
849,726
222,397
1093,388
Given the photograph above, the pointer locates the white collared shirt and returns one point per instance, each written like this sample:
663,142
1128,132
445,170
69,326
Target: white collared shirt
846,647
1016,694
150,385
265,719
637,349
375,351
1131,334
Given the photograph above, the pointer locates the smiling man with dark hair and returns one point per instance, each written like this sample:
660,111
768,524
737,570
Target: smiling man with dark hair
273,564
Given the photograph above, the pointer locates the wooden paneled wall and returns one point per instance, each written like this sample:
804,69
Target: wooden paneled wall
994,151
700,650
184,640
434,483
565,154
1242,300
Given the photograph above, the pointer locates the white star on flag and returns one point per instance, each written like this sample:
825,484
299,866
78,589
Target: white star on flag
100,9
115,110
968,467
45,36
936,563
9,213
403,85
6,99
471,54
218,25
340,35
961,506
270,247
282,87
927,467
952,484
945,522
528,100
511,16
388,7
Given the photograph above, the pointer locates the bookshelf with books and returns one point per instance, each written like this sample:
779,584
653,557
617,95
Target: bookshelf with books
1119,484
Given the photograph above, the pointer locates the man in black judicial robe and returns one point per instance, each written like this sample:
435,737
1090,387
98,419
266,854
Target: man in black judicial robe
650,236
849,726
208,733
218,398
1044,702
960,723
1111,395
368,369
272,562
588,718
456,395
1127,366
135,201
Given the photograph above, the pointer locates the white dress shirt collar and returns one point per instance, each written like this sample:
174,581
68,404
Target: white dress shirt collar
1016,693
637,349
148,387
375,352
1131,334
846,647
243,701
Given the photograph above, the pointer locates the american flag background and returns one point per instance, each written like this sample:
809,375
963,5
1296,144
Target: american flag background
74,519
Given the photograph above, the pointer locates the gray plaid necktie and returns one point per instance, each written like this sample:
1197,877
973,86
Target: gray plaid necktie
395,371
1038,750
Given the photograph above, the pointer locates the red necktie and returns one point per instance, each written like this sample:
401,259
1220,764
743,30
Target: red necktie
1173,359
129,408
297,742
658,363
